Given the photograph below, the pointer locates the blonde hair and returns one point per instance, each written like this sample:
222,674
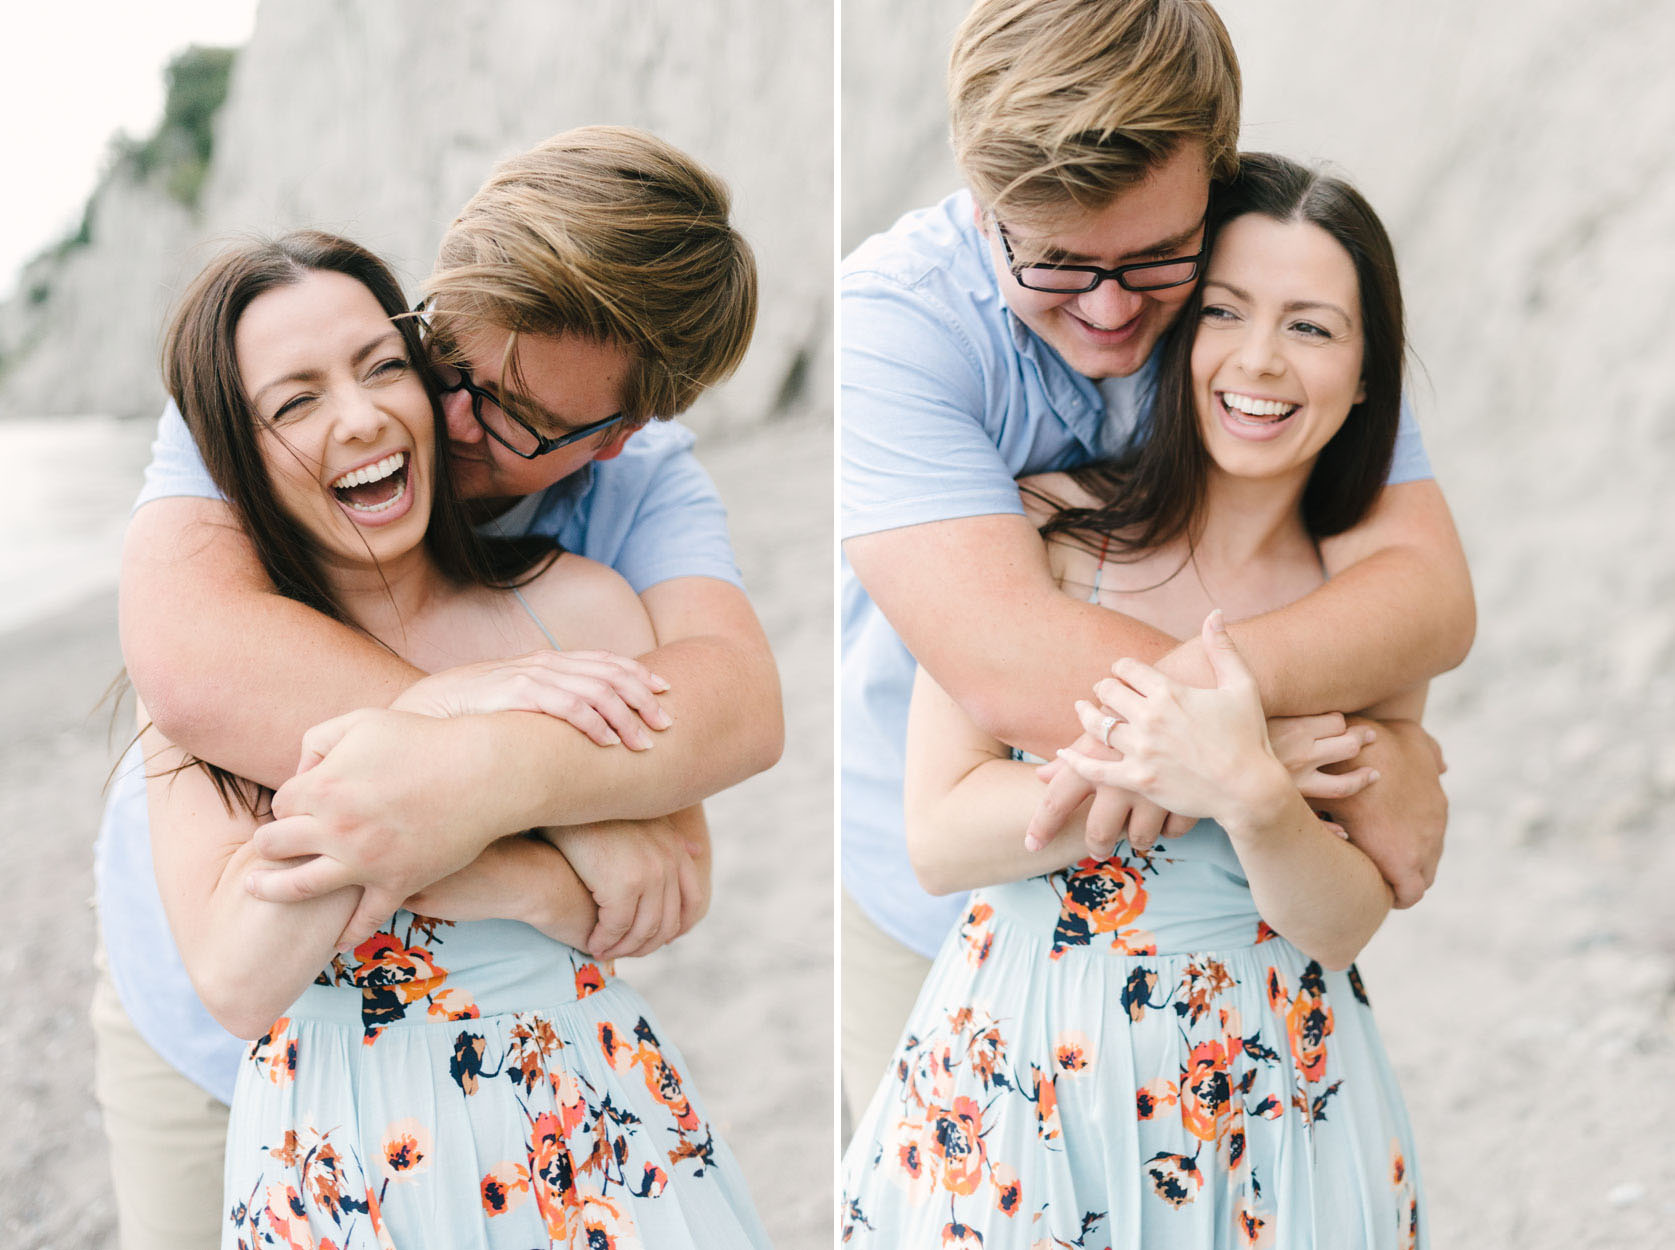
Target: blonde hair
614,235
1059,104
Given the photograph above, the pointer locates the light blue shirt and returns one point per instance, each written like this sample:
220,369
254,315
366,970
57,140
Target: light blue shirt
652,514
947,399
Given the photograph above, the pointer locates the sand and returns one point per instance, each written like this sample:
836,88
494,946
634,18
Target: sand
747,995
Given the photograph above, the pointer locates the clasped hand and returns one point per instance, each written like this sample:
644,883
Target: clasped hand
1156,754
398,799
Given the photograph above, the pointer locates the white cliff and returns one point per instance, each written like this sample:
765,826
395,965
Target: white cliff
379,118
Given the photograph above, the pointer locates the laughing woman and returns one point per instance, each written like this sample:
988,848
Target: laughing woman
1171,1047
473,1084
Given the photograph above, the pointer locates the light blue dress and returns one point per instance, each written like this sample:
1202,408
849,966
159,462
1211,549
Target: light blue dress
1124,1055
474,1085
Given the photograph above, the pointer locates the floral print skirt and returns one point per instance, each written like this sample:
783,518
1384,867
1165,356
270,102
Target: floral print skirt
395,1107
1062,1084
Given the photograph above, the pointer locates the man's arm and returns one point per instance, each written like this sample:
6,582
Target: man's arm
976,604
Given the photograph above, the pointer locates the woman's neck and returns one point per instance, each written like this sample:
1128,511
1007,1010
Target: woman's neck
1247,520
386,599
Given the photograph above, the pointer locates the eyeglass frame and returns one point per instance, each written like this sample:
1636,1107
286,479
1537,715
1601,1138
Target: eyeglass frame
543,444
1100,274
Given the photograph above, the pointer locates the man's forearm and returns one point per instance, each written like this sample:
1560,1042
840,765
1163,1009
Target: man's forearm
230,670
728,725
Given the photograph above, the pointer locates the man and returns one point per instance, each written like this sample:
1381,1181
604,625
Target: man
592,286
1090,133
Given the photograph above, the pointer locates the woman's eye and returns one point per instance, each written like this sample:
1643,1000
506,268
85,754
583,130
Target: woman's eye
1214,312
291,407
1311,330
390,367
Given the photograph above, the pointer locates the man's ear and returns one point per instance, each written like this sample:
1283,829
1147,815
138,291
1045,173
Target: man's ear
613,449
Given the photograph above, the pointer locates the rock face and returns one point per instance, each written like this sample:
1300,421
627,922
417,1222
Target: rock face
378,119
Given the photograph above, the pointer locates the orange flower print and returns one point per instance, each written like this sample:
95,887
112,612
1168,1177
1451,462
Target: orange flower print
286,1216
1407,1202
956,1146
957,1236
571,1099
660,1076
451,1003
927,1073
1175,1178
1205,1092
1009,1191
503,1187
1100,896
467,1064
1047,1125
1201,984
1255,1233
1071,1052
975,933
275,1053
1308,1020
1153,1095
589,980
1264,932
392,976
406,1151
552,1176
904,1159
605,1225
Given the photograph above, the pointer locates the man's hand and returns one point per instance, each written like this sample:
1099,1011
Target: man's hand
645,878
1399,822
392,801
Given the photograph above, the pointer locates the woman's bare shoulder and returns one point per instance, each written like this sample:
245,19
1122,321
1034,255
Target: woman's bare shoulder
589,605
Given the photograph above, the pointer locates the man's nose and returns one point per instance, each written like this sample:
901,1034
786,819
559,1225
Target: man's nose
461,420
1108,305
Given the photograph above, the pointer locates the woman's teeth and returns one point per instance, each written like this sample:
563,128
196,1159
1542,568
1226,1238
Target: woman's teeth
371,488
1248,406
372,472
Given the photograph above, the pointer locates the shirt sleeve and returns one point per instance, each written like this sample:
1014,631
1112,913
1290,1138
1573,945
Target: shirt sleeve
176,468
655,514
915,447
1408,463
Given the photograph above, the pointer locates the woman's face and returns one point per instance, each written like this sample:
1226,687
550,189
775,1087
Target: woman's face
1276,359
346,428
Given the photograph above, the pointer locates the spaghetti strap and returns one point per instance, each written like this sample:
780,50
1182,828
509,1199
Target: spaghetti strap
1099,571
539,623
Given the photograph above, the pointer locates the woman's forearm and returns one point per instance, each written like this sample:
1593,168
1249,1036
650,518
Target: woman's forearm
1313,888
249,960
972,834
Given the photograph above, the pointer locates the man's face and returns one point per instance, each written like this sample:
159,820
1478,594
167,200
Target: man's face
1109,332
563,382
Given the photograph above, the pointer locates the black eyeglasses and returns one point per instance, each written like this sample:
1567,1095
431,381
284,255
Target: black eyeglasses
509,431
1148,275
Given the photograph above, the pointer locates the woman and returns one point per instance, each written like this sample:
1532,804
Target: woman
473,1084
1171,1048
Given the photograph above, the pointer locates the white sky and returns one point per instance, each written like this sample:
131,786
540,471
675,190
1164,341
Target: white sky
73,73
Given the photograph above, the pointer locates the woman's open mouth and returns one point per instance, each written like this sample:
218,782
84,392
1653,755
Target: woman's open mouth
374,488
1251,417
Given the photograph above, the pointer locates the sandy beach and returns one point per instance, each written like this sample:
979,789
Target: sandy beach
748,994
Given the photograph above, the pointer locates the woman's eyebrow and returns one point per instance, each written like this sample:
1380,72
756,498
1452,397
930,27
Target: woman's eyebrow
1294,305
313,375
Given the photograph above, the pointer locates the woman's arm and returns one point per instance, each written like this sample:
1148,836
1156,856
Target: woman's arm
967,801
1205,753
248,959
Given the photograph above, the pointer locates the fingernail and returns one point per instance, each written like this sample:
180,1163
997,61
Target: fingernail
1368,735
1217,621
1032,843
658,684
611,739
662,719
1373,776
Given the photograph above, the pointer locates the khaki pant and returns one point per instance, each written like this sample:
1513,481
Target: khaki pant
166,1136
881,980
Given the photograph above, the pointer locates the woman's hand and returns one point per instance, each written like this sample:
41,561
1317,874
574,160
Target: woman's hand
609,697
1197,753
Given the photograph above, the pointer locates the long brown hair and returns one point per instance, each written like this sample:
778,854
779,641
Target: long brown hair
201,373
1154,492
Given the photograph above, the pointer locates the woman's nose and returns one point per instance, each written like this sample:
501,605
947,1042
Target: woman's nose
1259,355
358,415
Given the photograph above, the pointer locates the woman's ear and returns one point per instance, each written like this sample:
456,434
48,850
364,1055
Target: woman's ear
1360,393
